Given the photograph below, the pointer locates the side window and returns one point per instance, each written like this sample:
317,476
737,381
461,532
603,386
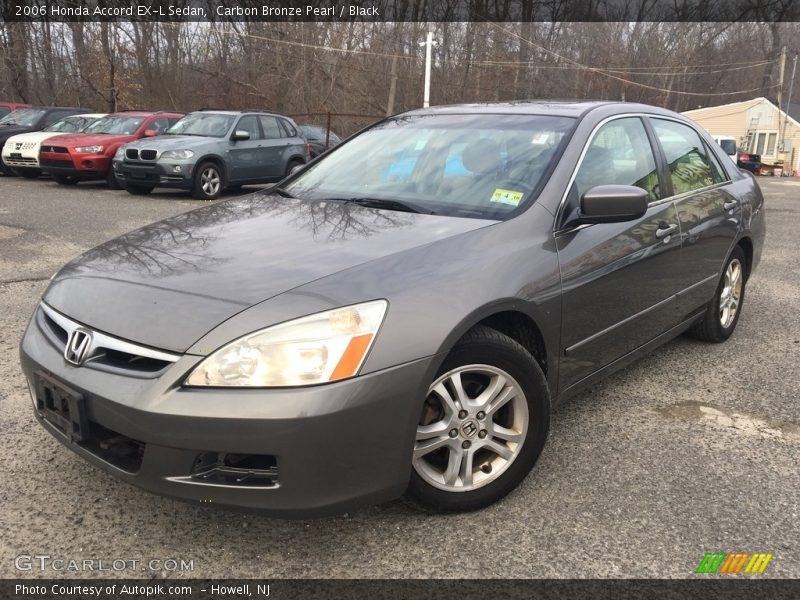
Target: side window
718,173
249,123
55,116
271,128
619,154
689,165
288,128
160,125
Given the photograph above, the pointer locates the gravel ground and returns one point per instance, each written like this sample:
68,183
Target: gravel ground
692,449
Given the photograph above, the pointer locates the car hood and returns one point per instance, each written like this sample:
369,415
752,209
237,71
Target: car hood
173,142
167,284
34,137
92,139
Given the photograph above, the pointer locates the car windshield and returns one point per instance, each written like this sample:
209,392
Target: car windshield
69,124
313,133
115,124
25,117
472,165
205,124
729,146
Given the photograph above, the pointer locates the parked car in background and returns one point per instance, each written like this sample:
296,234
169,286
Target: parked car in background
209,151
749,162
87,155
33,118
21,152
319,139
341,339
728,145
7,107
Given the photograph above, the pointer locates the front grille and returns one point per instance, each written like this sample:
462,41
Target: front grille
20,161
56,149
48,162
132,153
105,352
148,154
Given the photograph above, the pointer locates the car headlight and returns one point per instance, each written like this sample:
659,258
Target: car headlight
89,149
319,348
120,153
177,154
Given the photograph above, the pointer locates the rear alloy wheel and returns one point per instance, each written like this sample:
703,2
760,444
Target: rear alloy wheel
483,425
139,190
723,312
208,182
293,165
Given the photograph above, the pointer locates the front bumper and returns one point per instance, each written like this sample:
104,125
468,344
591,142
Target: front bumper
85,167
23,159
337,446
175,174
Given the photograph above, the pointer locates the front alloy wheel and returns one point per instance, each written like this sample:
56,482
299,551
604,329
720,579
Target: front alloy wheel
483,425
208,182
475,421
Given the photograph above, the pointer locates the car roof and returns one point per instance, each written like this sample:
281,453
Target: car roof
214,111
141,113
557,108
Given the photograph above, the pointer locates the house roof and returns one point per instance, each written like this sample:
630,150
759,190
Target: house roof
793,114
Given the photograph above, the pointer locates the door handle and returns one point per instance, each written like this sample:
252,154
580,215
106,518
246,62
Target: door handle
664,230
730,205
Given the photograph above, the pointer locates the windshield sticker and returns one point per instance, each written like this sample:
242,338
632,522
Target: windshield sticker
507,197
540,139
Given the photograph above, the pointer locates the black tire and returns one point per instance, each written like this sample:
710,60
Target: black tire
28,173
711,327
139,190
202,171
486,346
112,181
293,164
65,179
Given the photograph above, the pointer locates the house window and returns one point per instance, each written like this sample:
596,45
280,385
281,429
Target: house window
766,143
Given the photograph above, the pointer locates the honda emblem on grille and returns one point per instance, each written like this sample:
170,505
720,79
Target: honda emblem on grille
78,345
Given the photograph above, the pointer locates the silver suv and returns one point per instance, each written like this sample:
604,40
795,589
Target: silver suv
208,151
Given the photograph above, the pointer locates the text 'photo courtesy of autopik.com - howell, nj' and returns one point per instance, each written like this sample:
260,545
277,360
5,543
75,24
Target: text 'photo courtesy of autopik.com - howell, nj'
399,299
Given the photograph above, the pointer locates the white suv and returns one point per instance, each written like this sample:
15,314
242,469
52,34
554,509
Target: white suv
21,152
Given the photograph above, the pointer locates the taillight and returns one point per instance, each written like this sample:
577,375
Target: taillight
308,150
744,157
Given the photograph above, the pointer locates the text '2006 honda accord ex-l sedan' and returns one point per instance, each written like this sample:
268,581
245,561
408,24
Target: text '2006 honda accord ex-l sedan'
398,316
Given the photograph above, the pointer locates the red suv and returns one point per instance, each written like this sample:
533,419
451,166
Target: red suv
87,156
8,107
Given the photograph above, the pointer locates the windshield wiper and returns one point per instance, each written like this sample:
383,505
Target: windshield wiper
397,205
283,192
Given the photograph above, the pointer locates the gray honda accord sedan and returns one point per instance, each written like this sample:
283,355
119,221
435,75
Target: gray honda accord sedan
400,316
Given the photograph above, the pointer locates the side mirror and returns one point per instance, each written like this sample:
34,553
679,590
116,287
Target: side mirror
150,133
240,135
612,204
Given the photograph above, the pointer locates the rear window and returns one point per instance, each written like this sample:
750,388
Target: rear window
25,117
728,146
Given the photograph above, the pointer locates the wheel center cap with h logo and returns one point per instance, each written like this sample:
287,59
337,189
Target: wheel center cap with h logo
469,428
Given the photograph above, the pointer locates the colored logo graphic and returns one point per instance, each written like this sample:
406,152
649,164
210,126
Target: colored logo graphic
734,563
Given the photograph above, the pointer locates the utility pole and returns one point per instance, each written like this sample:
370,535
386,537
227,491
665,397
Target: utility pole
392,87
781,69
428,43
788,171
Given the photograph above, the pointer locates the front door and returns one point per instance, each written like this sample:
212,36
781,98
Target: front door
619,280
246,156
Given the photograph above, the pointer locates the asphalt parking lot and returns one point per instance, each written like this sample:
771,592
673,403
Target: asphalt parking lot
691,450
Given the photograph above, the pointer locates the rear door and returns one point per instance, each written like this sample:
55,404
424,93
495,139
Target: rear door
708,211
275,148
246,156
619,279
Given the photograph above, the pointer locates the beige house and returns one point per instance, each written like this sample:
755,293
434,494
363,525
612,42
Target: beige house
758,126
